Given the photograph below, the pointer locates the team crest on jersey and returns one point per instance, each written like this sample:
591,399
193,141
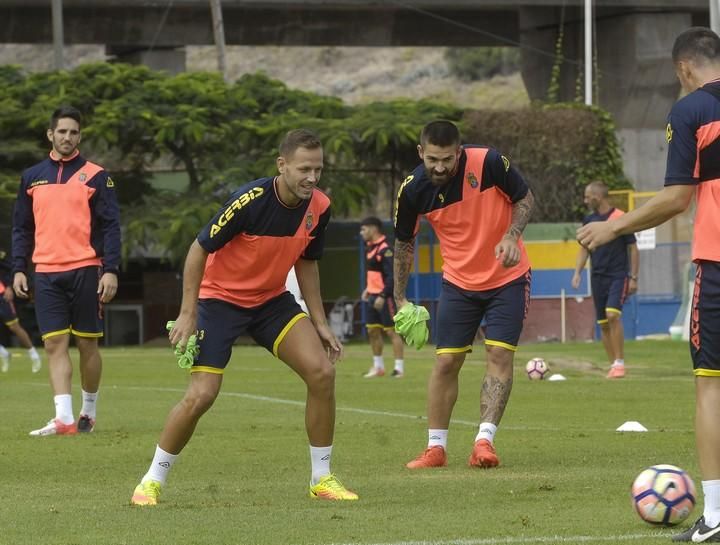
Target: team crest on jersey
109,182
668,133
309,221
472,180
82,177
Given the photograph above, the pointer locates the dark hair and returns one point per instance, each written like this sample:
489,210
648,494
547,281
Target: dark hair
62,112
372,220
298,138
440,133
696,44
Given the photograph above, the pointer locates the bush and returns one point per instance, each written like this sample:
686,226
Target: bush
558,148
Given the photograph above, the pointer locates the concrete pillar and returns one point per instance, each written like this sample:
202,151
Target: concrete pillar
637,83
169,59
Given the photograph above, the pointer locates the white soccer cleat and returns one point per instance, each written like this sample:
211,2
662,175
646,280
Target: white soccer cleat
55,427
36,365
5,362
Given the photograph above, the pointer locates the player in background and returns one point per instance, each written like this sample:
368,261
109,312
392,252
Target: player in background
234,283
693,170
614,277
11,321
66,208
378,294
478,206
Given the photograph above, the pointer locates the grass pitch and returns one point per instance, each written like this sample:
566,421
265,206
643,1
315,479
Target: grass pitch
565,473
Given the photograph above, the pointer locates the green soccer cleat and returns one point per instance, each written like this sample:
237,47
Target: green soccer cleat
147,493
329,488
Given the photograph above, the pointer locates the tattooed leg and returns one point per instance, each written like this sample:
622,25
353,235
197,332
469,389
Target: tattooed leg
497,384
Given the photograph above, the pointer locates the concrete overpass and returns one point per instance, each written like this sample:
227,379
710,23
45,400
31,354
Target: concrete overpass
634,37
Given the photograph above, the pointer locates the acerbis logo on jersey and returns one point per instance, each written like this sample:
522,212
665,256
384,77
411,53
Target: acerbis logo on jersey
237,204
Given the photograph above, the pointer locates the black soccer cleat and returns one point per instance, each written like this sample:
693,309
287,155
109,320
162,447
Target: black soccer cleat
699,533
85,424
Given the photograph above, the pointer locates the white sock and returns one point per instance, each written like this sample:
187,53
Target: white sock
487,431
618,363
378,362
63,408
400,365
89,404
3,352
33,353
437,438
320,462
160,466
712,502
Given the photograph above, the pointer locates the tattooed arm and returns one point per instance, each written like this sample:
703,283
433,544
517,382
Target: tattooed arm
507,249
403,263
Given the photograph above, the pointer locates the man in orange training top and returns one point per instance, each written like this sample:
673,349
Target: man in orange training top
66,208
234,283
478,206
693,169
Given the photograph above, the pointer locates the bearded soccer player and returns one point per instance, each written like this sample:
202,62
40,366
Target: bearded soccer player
234,283
693,170
478,206
66,208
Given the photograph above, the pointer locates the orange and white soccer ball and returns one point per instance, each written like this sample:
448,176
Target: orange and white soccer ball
663,495
536,369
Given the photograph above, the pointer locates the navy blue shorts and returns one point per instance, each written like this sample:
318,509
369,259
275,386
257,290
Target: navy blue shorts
705,320
68,302
380,318
609,294
501,310
7,312
220,323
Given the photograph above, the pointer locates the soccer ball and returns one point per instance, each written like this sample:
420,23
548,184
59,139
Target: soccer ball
536,369
663,495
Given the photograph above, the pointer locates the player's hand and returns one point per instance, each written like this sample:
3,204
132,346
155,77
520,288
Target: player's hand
20,285
379,303
8,295
508,251
331,343
595,234
185,326
107,287
364,296
575,282
632,286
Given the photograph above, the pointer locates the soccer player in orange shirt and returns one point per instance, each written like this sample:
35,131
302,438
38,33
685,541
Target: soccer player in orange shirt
234,283
478,206
67,215
693,170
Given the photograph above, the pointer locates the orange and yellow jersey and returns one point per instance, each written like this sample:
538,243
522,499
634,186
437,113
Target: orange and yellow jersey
254,241
469,214
693,135
67,210
379,265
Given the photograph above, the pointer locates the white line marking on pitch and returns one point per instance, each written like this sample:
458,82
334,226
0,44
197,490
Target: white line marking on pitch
520,540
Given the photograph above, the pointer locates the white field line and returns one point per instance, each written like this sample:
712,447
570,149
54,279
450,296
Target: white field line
370,412
522,540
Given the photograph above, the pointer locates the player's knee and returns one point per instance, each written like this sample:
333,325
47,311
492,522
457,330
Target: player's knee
497,355
321,377
199,400
449,364
56,344
613,318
